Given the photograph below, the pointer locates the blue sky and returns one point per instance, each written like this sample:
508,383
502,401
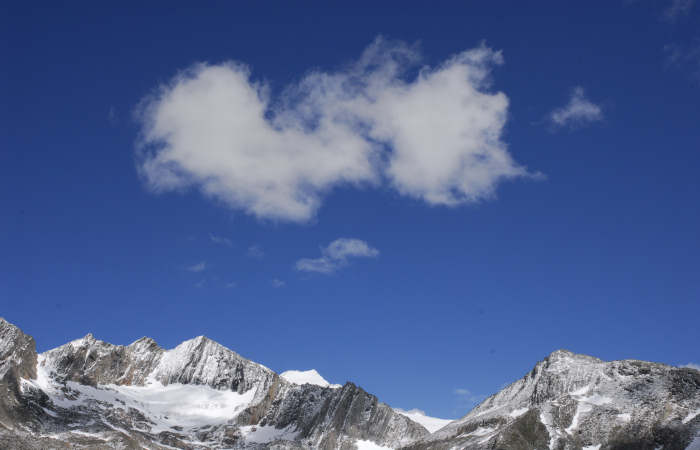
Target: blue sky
508,179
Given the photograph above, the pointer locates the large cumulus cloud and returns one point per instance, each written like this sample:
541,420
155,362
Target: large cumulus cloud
434,134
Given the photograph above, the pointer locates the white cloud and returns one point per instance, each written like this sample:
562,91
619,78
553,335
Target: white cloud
199,267
112,115
579,111
466,398
256,252
431,133
220,240
231,284
678,8
277,283
692,366
684,56
336,255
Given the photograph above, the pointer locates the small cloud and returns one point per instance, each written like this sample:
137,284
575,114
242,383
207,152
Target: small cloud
692,366
112,115
256,252
681,56
579,111
220,240
336,255
678,8
277,283
467,399
200,284
199,267
411,411
230,285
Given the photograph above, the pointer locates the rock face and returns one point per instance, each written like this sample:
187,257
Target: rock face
571,401
201,395
92,394
17,361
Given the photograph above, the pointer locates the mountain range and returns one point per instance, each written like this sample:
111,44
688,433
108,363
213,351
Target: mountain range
201,395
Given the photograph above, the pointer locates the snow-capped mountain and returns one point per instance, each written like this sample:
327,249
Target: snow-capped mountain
571,401
200,395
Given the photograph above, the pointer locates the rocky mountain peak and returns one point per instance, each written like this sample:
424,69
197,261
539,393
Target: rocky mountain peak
203,361
564,360
144,343
17,351
199,395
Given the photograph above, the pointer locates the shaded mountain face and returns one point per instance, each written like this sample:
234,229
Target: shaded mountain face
200,395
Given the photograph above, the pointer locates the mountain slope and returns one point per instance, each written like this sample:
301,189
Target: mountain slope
200,395
197,395
571,401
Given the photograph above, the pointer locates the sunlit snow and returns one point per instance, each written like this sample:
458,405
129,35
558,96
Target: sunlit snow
431,424
165,406
307,377
265,434
369,445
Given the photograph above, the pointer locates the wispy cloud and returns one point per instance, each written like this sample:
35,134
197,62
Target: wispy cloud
277,283
579,111
199,267
466,399
256,252
231,284
435,136
677,9
336,255
220,240
692,366
112,115
684,56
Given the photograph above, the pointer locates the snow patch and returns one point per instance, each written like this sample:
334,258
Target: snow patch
183,405
268,433
482,431
585,405
581,408
546,419
596,399
518,412
307,377
592,447
431,424
625,417
580,391
691,416
369,445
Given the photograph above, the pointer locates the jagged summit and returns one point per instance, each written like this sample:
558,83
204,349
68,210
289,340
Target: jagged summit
17,352
145,343
199,395
570,400
563,354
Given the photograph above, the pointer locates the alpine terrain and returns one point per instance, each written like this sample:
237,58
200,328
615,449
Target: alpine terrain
199,395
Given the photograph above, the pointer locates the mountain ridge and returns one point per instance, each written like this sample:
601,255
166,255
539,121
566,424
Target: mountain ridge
92,394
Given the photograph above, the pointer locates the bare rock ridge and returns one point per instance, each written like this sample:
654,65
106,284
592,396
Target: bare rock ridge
200,395
571,401
92,394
